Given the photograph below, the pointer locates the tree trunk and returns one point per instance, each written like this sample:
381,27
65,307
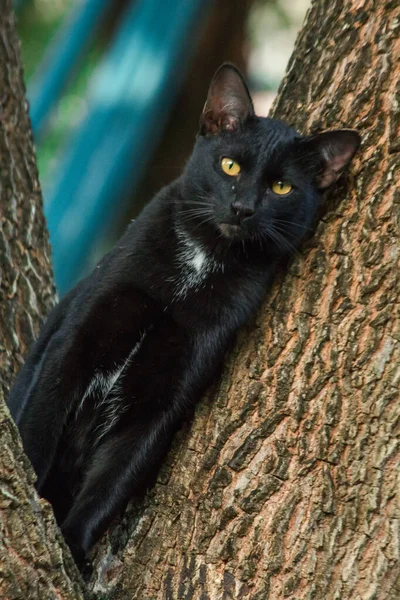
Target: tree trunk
35,563
286,485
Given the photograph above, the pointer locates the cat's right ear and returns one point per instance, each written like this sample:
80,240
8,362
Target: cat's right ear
335,150
228,102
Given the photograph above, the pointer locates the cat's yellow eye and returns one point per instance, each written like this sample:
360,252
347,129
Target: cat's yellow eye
230,166
282,188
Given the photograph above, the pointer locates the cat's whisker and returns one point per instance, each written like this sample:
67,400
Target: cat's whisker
271,235
197,212
258,239
284,233
285,243
193,215
299,225
202,200
208,220
199,207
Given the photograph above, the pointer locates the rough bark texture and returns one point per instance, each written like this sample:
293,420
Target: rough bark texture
286,485
26,286
34,562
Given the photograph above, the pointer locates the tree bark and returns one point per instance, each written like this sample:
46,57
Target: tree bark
35,563
286,485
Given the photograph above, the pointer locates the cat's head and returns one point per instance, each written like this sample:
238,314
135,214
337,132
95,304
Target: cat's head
256,179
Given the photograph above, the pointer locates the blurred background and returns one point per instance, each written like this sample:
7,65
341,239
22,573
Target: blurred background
116,88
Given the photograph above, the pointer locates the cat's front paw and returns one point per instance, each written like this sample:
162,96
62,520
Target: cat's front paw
78,553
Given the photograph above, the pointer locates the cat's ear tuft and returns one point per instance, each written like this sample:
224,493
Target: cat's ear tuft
336,149
228,102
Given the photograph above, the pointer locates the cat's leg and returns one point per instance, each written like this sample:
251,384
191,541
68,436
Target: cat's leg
91,342
162,383
28,375
120,469
51,399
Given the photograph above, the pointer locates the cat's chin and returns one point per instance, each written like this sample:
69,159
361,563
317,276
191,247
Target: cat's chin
230,231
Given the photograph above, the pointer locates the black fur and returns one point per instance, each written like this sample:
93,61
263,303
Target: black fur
145,314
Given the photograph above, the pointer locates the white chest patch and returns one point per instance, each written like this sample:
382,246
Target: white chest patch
194,265
199,259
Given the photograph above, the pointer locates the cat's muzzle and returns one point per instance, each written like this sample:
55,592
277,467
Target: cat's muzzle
230,231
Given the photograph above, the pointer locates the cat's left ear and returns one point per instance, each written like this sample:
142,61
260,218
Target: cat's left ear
335,149
228,102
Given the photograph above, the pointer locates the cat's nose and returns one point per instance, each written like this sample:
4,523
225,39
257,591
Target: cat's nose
241,210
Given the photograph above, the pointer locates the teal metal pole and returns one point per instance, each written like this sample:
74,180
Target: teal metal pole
61,58
130,98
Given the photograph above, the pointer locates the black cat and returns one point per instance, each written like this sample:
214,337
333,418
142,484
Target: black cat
125,355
